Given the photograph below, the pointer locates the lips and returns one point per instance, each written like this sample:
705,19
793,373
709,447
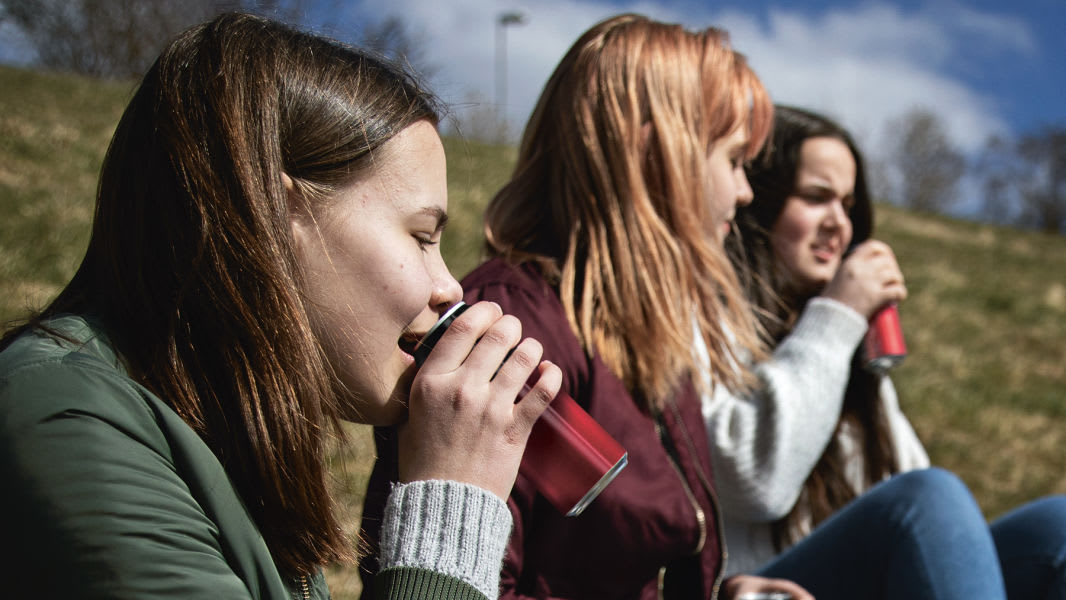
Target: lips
408,341
826,251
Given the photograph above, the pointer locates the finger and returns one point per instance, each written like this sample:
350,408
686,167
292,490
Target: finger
540,395
797,591
519,364
490,352
459,339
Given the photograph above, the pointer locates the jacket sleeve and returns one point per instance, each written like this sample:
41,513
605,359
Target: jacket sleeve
765,443
95,504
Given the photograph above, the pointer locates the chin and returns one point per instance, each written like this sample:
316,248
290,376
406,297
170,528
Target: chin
378,405
379,414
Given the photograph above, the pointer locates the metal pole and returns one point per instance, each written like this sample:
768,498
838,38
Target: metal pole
502,22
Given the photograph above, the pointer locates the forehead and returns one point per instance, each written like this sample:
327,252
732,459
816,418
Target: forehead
826,156
411,167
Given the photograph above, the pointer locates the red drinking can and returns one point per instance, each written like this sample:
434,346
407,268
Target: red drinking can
569,457
883,346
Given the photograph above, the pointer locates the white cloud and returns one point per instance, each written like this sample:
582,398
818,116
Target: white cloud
869,65
865,64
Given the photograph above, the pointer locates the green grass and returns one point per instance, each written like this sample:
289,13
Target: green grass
985,322
54,130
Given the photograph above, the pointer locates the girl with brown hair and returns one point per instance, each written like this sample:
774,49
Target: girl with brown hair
264,254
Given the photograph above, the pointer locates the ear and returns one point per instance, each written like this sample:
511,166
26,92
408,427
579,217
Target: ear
286,181
300,220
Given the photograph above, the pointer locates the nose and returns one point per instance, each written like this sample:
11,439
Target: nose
836,217
744,192
837,213
446,290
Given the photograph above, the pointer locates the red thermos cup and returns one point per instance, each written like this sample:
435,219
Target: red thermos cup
569,457
883,346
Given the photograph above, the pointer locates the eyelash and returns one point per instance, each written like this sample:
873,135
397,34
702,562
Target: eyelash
424,242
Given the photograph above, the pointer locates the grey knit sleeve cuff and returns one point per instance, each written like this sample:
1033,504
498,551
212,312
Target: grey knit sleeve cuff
453,528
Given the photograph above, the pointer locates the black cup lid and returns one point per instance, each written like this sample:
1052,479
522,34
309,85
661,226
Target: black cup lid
425,345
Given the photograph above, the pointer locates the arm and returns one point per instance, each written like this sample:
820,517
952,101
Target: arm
765,443
96,504
910,453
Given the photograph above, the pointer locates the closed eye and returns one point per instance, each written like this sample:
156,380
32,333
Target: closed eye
425,242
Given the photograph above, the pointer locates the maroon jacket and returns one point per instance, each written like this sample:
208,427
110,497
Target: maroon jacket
644,530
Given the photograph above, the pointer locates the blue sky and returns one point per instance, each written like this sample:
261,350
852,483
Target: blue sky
987,67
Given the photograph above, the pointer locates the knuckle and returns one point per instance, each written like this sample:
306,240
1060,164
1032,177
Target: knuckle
523,358
462,326
496,336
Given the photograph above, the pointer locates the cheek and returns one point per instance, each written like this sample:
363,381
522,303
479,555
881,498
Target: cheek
790,230
722,194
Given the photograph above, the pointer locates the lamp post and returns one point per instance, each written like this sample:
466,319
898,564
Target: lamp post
502,22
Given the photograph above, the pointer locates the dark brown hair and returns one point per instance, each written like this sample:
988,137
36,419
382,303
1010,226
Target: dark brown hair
191,267
606,197
773,178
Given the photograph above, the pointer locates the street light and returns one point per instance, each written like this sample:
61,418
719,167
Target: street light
502,22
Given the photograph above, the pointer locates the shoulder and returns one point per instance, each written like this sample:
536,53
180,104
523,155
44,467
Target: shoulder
521,291
70,369
502,278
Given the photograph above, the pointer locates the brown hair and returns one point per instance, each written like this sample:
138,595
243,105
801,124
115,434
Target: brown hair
607,197
191,266
773,179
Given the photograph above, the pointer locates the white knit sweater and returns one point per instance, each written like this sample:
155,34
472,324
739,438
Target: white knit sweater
764,445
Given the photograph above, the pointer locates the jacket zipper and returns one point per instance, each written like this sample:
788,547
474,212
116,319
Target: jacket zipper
720,535
305,587
701,517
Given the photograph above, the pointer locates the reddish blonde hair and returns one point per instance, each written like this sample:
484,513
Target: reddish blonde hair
609,196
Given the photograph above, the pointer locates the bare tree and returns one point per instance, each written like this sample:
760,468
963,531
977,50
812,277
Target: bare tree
929,165
1043,187
109,38
1024,180
120,38
392,38
998,170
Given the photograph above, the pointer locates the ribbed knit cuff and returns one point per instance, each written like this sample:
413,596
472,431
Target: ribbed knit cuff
409,583
453,528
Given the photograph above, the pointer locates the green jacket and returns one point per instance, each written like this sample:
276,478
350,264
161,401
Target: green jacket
109,494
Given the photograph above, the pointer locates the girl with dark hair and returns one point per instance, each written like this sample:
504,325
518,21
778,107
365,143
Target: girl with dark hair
264,254
813,298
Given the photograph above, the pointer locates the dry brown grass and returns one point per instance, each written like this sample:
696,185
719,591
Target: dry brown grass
985,383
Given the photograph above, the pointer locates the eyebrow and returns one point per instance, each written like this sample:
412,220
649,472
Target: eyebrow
438,214
820,188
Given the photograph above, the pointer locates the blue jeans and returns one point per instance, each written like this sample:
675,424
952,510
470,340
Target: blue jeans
1031,541
917,535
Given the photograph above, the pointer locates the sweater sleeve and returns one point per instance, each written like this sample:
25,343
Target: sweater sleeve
765,443
443,539
910,453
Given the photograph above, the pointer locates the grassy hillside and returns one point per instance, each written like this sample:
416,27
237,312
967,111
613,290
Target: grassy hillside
985,383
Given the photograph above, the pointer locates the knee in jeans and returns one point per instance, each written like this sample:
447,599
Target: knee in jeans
933,489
